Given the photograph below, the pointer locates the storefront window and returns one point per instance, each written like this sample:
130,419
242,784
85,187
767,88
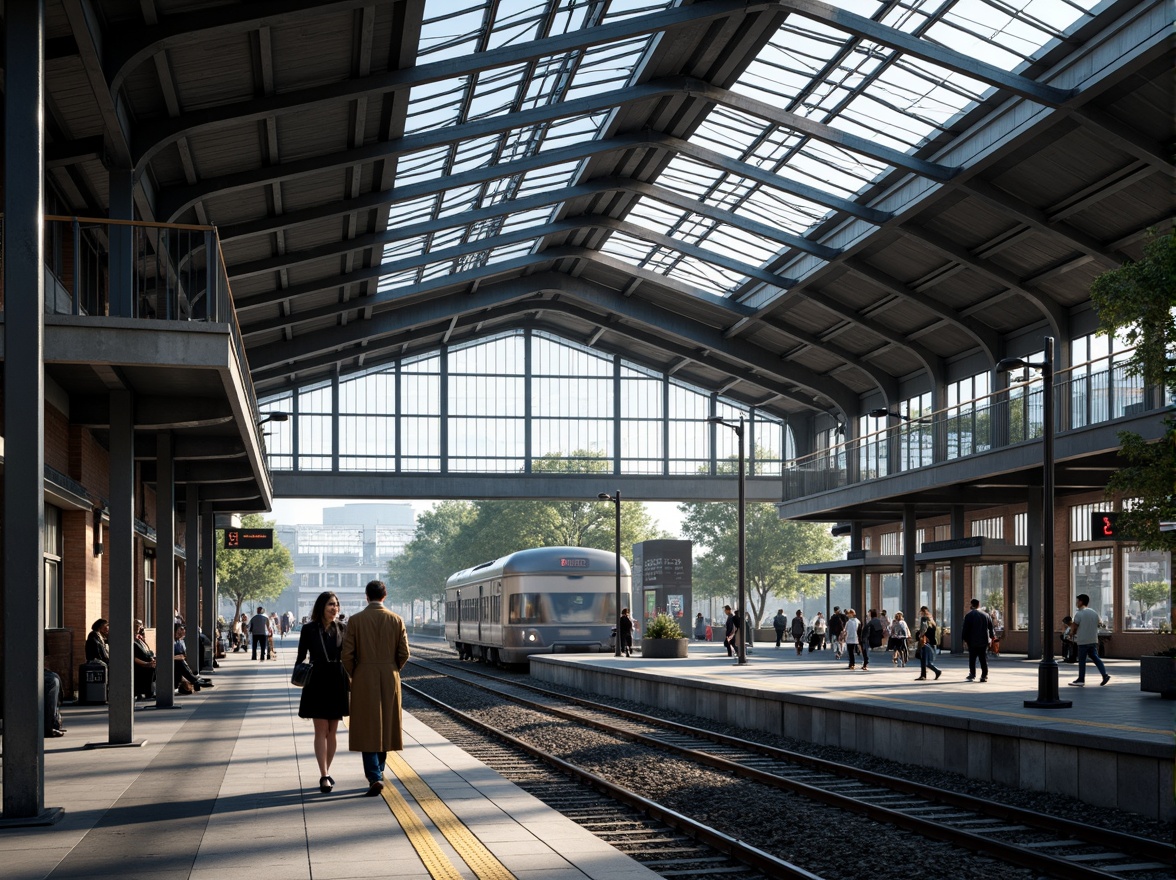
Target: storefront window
1147,584
891,593
988,587
54,610
1092,573
1020,615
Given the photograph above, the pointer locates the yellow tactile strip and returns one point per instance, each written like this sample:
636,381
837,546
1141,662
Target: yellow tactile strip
480,860
435,861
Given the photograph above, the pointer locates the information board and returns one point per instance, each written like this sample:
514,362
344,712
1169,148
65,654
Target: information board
249,539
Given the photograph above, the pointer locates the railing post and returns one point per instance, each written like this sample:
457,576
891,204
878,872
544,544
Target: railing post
76,229
211,279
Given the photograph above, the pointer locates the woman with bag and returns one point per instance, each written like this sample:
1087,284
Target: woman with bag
325,695
927,640
899,633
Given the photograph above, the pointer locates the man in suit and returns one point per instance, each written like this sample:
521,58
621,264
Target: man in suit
976,632
375,649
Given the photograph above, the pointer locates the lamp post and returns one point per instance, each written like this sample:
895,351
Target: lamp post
741,636
1047,669
616,500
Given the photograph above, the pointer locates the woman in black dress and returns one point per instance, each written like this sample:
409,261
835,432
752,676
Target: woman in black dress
325,696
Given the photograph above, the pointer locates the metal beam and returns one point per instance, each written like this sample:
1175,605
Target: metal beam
158,136
662,324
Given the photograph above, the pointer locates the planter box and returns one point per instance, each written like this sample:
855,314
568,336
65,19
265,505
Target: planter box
664,649
1157,675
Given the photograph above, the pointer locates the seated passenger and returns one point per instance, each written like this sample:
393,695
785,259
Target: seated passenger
53,704
183,670
97,651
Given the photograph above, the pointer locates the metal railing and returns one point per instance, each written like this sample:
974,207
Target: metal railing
1091,393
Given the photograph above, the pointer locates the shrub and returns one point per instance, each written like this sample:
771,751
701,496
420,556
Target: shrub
663,627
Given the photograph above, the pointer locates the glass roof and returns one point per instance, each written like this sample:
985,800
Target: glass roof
706,224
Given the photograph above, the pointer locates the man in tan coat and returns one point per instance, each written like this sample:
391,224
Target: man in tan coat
375,649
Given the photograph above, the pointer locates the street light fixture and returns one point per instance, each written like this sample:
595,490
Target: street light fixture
1047,669
882,413
741,637
616,500
274,417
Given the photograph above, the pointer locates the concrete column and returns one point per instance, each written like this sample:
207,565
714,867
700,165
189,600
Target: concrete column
958,602
207,564
24,411
857,577
1034,522
192,577
165,571
121,547
910,577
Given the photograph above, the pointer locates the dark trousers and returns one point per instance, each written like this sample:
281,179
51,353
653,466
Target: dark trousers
52,700
779,637
980,653
373,765
851,649
262,640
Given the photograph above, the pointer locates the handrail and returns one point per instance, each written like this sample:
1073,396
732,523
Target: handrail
109,221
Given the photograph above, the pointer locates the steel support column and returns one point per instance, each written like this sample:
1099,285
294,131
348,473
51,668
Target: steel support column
165,571
206,563
24,408
957,582
1034,522
909,597
857,578
191,573
120,694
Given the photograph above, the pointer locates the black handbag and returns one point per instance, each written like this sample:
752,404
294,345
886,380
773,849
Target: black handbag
301,674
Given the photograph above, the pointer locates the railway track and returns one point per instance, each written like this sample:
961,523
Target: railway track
1044,844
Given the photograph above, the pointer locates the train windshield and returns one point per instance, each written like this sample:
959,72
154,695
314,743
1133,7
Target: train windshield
562,608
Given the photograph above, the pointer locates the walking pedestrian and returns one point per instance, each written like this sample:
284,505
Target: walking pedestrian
259,630
1086,624
375,649
851,636
817,643
729,631
837,631
899,633
927,638
780,623
976,633
625,633
324,698
798,628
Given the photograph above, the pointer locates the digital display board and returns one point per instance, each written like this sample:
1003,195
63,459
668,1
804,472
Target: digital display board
249,539
573,562
1104,526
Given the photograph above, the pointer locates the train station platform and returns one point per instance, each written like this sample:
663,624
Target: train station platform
1113,747
226,785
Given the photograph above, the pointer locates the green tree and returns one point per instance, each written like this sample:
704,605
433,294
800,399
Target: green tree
503,527
1137,302
419,573
1149,594
775,547
249,577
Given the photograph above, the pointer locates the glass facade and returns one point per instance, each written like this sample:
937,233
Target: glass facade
514,403
1093,572
1147,589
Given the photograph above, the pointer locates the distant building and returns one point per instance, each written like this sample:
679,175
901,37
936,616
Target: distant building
351,546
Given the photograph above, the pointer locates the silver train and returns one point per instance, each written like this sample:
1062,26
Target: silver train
542,601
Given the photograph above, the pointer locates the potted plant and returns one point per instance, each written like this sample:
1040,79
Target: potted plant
663,639
1157,673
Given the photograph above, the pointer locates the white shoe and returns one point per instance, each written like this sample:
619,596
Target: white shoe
1077,684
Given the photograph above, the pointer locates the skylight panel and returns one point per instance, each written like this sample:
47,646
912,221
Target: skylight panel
448,32
654,216
547,179
689,177
408,247
423,165
608,65
747,247
517,21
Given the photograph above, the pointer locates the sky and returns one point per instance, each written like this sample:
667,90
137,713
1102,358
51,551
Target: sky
300,511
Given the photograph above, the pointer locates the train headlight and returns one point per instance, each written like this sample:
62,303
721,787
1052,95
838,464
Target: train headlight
532,636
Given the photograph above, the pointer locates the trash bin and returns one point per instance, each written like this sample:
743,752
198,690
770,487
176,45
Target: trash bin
92,683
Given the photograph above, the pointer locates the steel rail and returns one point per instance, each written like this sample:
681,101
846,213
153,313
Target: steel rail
749,855
1011,852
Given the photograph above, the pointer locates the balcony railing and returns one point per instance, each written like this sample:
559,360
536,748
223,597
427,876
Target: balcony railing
131,269
1087,394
